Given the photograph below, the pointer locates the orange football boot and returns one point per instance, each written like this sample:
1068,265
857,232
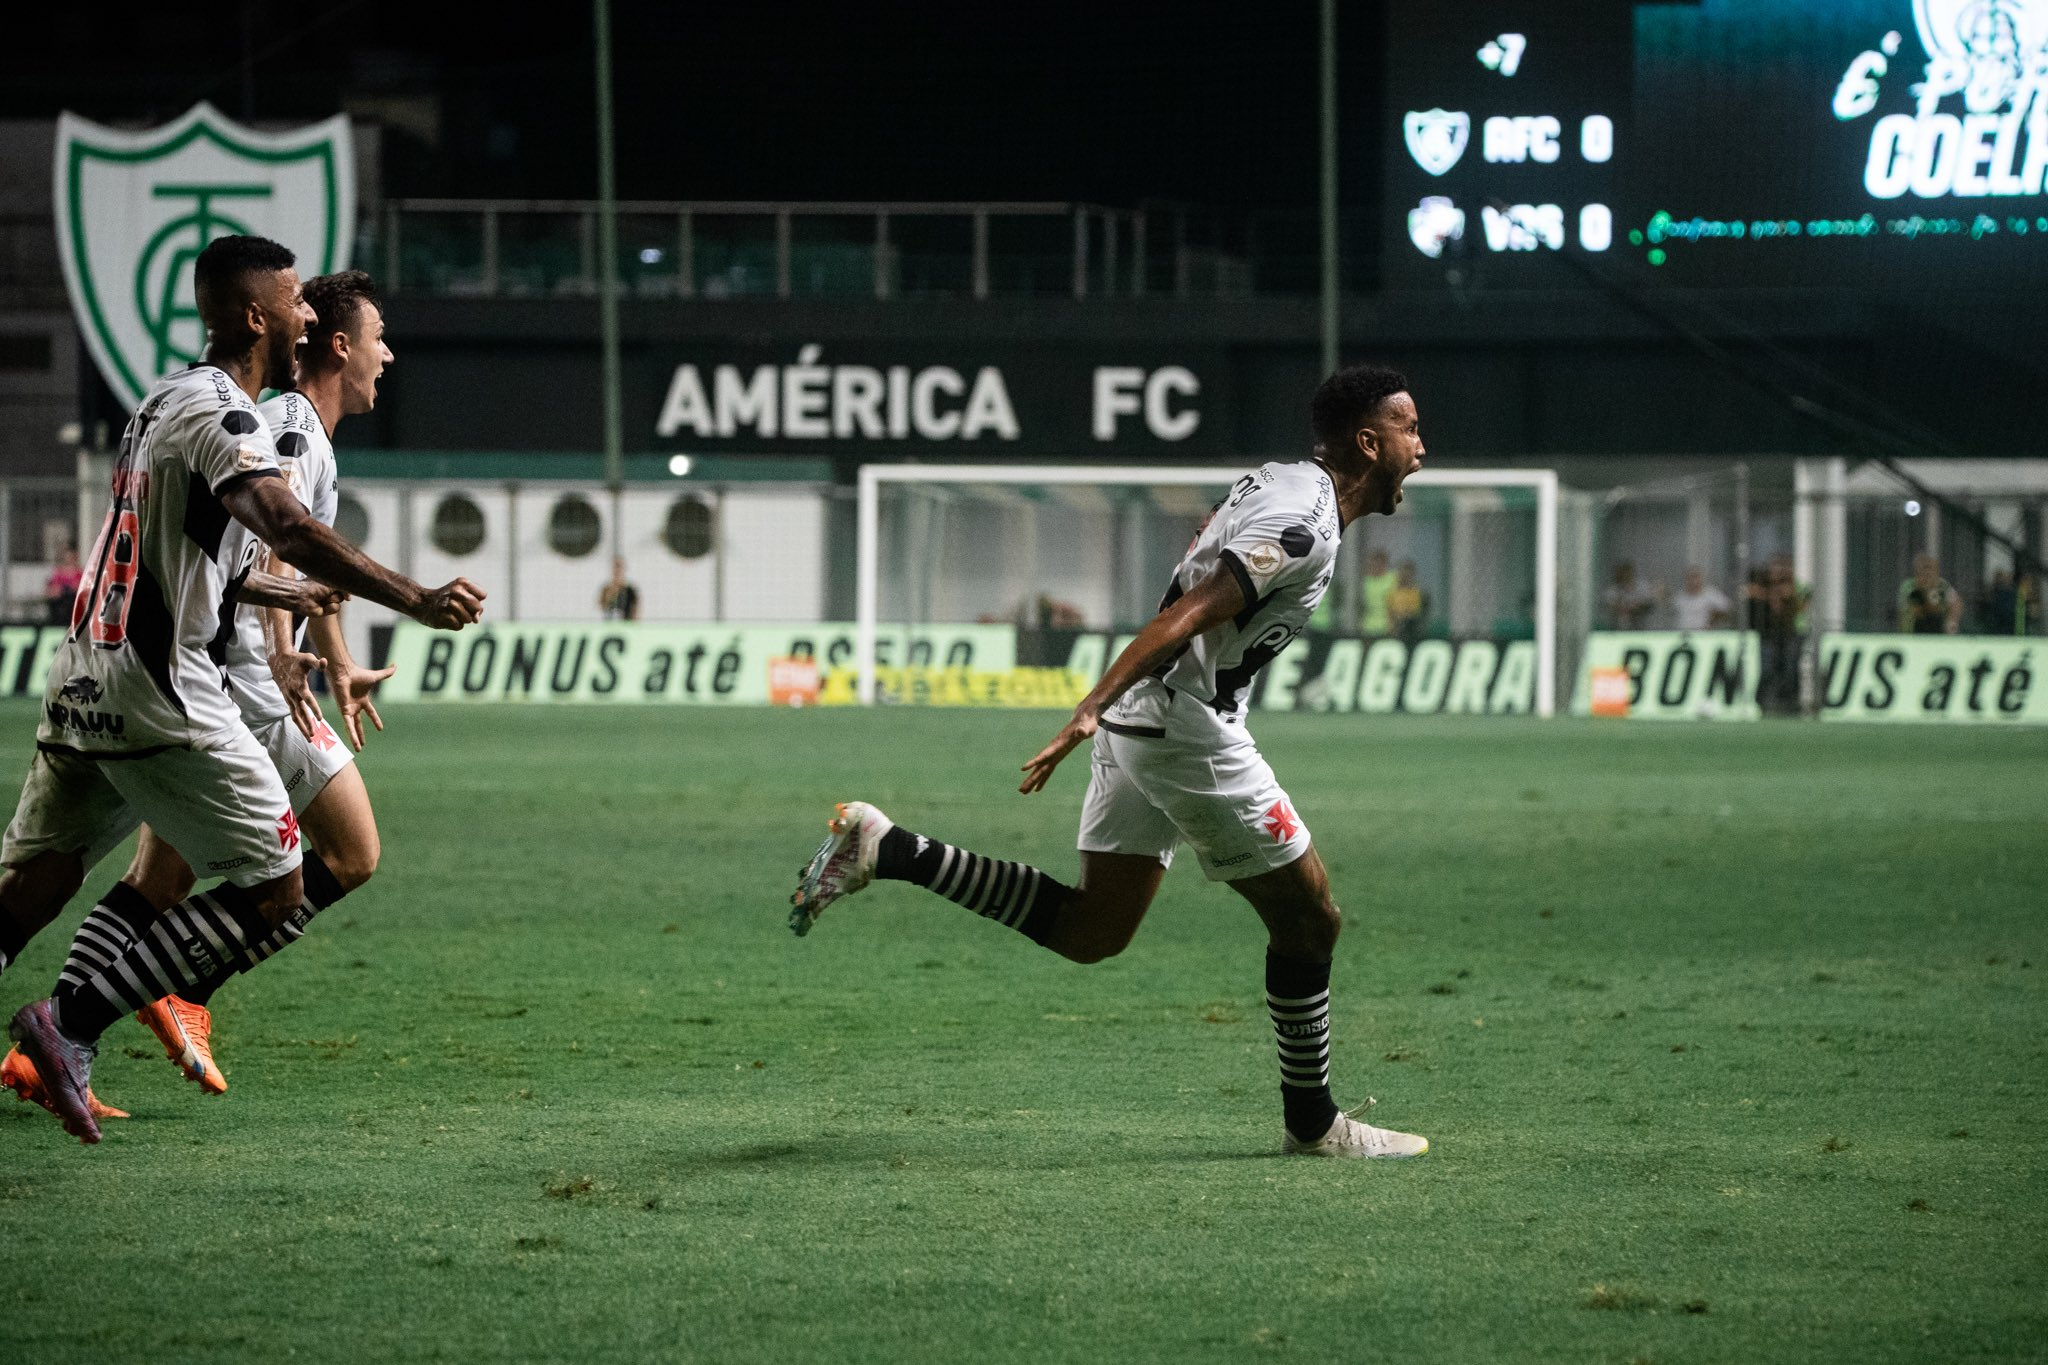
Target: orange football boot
182,1027
19,1074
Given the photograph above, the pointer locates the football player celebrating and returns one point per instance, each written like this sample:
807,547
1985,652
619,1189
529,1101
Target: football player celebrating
1172,761
339,363
138,723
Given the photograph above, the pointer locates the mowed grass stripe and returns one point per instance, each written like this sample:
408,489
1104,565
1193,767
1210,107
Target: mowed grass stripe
1692,1017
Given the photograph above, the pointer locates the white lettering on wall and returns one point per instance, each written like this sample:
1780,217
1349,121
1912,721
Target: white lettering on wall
813,401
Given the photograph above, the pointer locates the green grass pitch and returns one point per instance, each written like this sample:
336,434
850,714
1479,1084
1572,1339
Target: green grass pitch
1732,1043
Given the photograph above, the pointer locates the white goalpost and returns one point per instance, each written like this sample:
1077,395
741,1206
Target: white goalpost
1093,487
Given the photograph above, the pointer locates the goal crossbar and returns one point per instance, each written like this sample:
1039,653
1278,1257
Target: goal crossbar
867,605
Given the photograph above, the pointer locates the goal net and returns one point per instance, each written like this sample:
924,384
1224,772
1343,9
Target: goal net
1016,585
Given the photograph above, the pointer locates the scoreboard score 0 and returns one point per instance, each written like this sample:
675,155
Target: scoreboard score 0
1878,143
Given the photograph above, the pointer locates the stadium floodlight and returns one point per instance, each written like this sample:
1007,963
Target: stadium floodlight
1129,520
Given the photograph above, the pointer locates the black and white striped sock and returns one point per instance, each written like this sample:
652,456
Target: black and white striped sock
203,935
321,890
117,921
1298,997
1013,894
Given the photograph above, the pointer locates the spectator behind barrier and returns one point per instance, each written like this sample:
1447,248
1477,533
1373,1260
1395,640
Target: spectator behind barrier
1928,605
2009,606
62,586
1407,604
1374,590
618,599
1701,605
1627,604
1777,613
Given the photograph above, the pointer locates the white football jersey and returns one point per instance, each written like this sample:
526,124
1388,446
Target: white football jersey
306,457
142,666
1277,532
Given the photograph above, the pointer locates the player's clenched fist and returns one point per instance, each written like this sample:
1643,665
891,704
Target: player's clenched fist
459,604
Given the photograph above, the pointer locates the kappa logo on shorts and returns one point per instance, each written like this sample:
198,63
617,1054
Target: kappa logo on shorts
288,830
1281,822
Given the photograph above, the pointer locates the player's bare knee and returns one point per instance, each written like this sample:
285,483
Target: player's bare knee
1307,927
1098,948
352,866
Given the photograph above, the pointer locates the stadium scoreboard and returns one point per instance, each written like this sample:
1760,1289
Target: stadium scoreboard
1888,143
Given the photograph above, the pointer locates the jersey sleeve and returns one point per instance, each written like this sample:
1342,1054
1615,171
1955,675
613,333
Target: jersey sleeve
295,460
229,443
1273,547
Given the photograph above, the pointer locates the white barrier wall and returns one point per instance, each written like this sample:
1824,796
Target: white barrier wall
761,554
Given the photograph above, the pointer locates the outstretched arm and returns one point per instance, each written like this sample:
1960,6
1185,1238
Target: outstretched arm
1214,600
270,509
299,595
351,683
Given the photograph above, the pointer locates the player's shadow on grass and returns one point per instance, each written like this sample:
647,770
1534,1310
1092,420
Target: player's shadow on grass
868,1151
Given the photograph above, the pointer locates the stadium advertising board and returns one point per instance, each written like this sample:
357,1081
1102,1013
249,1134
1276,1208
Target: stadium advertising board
1384,676
1966,678
701,664
1676,675
1743,142
25,654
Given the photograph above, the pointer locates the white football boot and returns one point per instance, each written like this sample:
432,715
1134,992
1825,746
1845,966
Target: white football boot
1350,1138
843,864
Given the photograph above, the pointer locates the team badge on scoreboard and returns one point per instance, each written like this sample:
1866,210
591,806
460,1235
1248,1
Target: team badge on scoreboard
1987,48
134,209
1437,138
1434,224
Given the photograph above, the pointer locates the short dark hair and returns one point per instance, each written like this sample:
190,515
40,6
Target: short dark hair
227,259
1345,400
337,301
220,283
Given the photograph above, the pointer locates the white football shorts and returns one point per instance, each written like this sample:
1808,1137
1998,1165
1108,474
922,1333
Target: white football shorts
218,802
1166,769
305,766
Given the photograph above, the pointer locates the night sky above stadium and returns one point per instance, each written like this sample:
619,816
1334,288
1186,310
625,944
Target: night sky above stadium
1213,105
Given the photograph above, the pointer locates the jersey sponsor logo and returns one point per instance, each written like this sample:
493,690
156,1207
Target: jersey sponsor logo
83,689
134,209
288,830
85,722
1281,823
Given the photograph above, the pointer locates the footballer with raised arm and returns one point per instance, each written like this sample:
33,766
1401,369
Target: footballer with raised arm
339,363
138,723
1173,763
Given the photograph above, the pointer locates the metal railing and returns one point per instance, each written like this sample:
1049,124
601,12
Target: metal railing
740,249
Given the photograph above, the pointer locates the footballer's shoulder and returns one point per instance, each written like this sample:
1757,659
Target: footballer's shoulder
290,411
202,395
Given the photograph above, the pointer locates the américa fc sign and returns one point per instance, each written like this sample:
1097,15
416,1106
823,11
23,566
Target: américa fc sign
134,209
